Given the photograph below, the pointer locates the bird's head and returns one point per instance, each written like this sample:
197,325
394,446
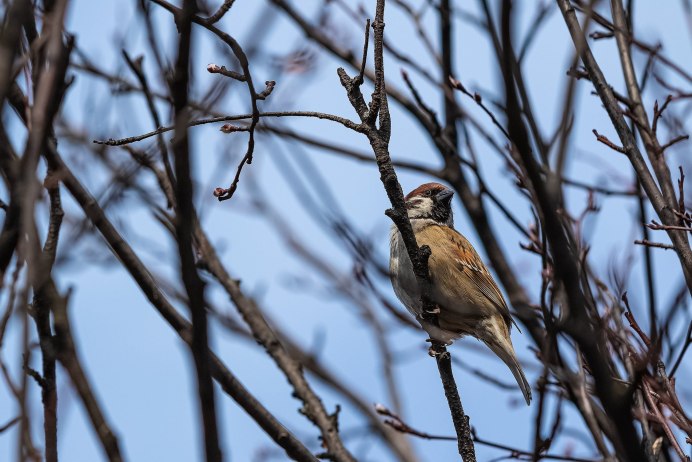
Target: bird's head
431,201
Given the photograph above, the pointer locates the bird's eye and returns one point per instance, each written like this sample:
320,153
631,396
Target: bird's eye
428,193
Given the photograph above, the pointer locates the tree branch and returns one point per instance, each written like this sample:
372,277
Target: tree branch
141,275
379,141
183,227
629,144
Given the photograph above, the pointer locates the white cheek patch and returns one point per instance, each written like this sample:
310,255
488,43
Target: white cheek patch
420,207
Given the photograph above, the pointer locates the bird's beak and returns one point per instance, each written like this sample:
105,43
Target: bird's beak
445,196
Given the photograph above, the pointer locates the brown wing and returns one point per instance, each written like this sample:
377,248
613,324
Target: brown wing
461,256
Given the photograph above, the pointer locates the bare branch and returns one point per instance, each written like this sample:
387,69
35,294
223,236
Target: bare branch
318,115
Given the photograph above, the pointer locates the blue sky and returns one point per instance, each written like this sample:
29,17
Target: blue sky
143,373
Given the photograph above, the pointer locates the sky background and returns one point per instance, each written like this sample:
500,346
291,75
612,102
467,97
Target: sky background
142,372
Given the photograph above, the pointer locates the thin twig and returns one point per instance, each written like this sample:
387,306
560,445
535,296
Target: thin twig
457,85
658,245
399,425
179,15
675,140
603,139
648,394
657,226
223,9
9,424
193,123
685,346
633,322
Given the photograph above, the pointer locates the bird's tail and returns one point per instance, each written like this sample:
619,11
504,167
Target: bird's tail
504,349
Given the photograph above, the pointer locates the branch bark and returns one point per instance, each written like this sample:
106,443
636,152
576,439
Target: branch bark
41,312
183,227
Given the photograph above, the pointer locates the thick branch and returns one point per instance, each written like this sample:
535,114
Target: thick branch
183,227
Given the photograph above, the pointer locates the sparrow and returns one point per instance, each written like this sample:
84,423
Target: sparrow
469,301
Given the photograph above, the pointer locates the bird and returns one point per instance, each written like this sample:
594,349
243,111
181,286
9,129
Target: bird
468,299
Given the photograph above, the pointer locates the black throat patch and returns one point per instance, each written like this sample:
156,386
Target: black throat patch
441,213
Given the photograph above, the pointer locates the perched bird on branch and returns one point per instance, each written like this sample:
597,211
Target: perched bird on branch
469,301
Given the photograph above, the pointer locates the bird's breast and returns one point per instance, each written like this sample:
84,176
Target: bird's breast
401,273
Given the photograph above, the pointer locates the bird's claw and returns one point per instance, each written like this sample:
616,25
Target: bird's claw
432,351
436,348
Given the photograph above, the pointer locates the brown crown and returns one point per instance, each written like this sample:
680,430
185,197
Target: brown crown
420,190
